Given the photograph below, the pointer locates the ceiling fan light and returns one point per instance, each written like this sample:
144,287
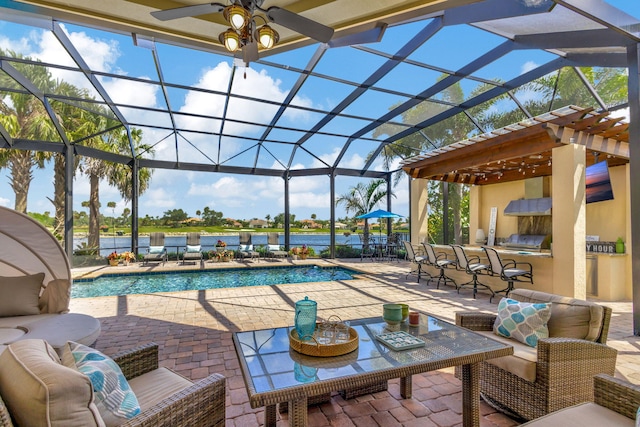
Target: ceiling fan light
267,36
230,39
237,16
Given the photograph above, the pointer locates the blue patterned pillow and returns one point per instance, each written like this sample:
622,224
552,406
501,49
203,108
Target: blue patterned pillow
114,398
156,249
523,321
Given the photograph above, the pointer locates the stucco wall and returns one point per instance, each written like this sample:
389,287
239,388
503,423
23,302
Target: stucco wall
498,195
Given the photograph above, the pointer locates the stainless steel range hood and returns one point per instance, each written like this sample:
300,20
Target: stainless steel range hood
529,207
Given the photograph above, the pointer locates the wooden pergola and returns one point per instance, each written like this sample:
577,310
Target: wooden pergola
524,150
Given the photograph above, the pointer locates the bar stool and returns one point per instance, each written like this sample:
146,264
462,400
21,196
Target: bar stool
416,259
439,261
472,267
508,270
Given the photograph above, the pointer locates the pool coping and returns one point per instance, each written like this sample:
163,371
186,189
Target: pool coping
173,267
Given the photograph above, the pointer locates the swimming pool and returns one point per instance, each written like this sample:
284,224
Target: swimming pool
144,283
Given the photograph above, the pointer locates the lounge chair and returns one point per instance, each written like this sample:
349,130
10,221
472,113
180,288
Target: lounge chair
273,248
193,250
157,250
245,249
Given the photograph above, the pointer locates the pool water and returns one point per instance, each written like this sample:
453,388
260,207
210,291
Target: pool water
144,283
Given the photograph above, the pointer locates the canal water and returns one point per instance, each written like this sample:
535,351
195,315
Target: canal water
177,243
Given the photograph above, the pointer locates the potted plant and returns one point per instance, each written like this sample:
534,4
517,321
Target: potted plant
619,246
304,252
127,257
113,258
295,251
221,245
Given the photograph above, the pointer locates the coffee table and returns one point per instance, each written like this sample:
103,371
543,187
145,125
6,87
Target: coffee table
274,373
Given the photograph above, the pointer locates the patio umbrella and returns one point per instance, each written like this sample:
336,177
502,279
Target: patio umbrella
379,214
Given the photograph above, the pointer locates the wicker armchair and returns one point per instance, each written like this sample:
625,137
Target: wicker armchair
200,404
559,372
615,403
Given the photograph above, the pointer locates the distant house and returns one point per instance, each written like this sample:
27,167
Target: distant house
192,221
230,222
309,223
258,223
340,225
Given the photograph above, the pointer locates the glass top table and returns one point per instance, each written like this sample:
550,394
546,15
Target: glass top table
275,373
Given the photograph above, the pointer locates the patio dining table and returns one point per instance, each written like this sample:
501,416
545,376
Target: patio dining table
274,373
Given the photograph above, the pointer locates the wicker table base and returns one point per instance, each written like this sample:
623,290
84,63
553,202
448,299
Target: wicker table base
275,374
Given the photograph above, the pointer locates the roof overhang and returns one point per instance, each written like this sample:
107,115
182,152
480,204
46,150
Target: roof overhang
524,150
347,18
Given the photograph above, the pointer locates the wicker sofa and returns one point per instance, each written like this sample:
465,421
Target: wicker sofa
559,372
615,403
37,388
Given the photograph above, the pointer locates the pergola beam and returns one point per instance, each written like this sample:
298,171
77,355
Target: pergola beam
611,146
477,155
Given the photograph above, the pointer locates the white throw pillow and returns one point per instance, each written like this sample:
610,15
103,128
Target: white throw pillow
274,247
194,248
114,398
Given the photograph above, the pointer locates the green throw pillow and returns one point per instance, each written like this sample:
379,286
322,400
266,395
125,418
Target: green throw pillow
194,248
156,249
114,398
523,321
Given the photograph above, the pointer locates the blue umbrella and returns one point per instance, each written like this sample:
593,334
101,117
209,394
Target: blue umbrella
379,214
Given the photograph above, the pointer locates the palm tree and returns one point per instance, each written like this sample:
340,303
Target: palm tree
117,174
25,117
362,199
440,134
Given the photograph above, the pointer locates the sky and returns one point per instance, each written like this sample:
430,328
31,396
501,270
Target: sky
237,196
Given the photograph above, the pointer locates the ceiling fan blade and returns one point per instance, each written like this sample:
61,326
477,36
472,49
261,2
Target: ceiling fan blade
186,11
373,35
300,24
250,52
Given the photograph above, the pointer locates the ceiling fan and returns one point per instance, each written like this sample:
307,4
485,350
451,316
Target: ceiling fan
243,33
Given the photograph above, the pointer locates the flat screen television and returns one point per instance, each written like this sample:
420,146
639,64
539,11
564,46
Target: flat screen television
598,183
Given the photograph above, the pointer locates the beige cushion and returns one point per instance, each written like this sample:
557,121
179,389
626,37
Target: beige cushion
39,391
570,317
55,297
60,328
582,415
19,295
523,361
152,387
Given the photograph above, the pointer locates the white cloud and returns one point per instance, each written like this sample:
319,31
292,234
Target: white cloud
21,45
528,66
5,202
159,198
355,161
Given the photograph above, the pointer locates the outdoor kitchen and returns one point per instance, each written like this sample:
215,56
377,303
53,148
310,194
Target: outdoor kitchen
536,197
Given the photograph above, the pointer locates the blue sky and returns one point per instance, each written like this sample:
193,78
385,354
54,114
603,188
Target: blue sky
239,196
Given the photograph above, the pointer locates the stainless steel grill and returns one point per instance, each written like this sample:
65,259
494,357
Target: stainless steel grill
529,242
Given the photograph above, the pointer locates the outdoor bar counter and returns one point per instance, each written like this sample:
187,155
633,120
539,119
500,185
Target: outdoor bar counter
611,271
542,263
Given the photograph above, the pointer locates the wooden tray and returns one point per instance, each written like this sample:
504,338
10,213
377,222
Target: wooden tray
313,348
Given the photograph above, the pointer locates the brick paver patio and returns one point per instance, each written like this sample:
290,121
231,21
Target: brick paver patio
193,330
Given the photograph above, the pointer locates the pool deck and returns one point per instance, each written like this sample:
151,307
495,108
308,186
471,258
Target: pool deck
193,330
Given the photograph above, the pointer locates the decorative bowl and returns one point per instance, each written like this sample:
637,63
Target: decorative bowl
392,313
